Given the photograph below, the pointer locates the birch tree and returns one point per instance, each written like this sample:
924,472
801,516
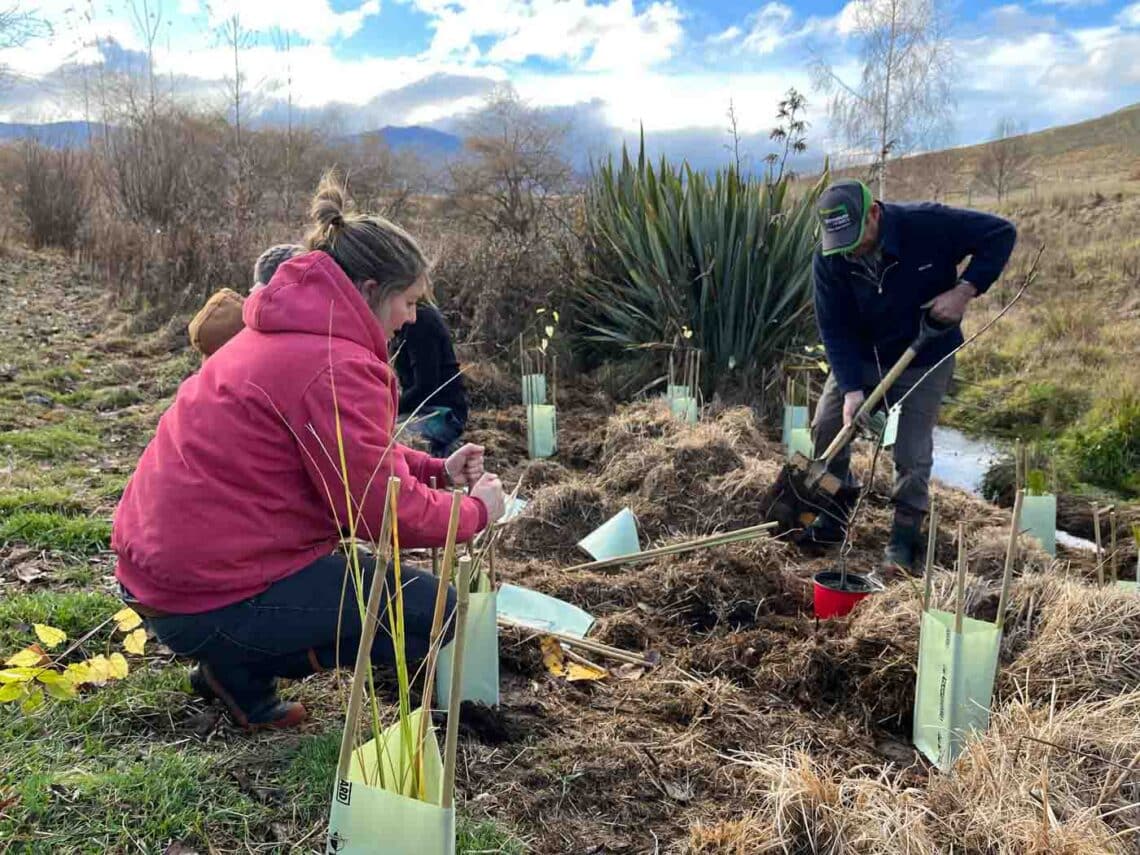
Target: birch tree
903,97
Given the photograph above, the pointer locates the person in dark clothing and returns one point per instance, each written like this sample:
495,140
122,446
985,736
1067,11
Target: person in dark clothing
428,372
880,266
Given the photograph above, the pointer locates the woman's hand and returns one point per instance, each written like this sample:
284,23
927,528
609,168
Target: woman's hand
489,490
465,467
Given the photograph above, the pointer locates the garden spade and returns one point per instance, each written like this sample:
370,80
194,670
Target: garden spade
805,488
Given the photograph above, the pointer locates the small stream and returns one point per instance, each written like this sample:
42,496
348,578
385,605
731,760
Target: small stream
962,461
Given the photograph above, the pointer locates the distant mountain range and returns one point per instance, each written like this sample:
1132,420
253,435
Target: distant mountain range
427,142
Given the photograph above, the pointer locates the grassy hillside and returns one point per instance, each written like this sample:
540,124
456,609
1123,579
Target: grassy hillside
1061,368
1099,154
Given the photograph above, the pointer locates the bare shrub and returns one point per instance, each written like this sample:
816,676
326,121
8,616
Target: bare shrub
490,285
52,195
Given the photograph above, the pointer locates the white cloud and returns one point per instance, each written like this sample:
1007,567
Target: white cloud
1129,16
668,102
313,19
730,34
598,36
768,28
1074,4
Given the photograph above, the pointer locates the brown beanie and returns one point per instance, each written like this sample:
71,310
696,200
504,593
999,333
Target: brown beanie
217,322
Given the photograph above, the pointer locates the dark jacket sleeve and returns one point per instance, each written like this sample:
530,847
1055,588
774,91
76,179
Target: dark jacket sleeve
835,311
988,239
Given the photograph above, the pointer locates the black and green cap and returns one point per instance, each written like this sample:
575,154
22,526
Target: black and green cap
842,210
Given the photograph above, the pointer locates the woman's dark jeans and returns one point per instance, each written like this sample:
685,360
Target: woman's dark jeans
290,630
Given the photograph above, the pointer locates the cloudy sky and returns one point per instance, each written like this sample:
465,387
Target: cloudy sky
672,65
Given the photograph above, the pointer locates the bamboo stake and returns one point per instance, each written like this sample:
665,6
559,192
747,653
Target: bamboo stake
1011,547
931,542
463,595
789,391
437,618
522,367
960,605
677,548
434,549
1112,543
697,389
554,384
1099,548
669,388
584,643
367,634
580,659
491,565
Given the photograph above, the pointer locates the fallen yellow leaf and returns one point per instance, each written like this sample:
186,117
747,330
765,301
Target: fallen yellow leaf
555,661
17,675
12,692
29,657
49,635
119,667
78,673
98,670
576,672
127,619
135,642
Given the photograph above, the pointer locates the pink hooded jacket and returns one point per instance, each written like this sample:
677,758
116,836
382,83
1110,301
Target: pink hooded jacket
241,485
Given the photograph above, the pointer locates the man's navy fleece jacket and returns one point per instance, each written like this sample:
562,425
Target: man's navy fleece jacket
922,245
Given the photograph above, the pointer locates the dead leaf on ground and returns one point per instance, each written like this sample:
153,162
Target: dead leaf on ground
179,849
28,573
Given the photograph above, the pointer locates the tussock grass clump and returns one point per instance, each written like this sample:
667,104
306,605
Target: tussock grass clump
1087,644
807,806
1043,780
1039,782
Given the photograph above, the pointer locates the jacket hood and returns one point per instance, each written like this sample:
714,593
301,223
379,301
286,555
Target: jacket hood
311,294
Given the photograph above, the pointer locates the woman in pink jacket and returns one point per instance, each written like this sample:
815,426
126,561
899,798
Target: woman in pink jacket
227,532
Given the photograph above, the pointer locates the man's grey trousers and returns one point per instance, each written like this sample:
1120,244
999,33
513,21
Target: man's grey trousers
914,445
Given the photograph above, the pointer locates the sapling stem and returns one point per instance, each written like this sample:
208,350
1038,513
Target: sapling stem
1112,543
1010,551
960,605
463,595
931,543
1099,548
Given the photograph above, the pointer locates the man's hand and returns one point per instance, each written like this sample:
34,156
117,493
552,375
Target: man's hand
489,491
950,306
851,403
465,466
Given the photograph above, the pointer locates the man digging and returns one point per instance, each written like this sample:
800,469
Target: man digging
879,267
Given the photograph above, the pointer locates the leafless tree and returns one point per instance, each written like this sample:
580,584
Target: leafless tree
17,28
514,168
147,17
903,98
283,43
1006,162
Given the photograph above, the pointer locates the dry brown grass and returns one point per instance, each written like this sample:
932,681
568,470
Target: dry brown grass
1087,645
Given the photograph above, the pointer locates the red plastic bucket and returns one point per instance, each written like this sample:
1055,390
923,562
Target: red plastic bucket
832,601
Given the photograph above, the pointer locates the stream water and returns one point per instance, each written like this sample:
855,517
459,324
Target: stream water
962,461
